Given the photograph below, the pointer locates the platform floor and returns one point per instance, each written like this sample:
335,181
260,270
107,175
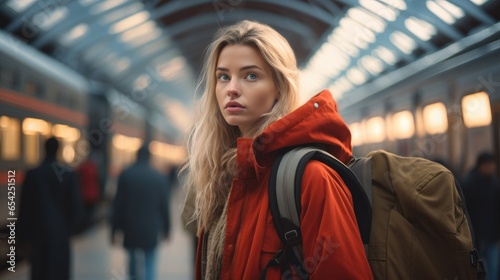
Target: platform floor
94,258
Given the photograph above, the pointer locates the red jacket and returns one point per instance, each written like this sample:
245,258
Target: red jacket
332,245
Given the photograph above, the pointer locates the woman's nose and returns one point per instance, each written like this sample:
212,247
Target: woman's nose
233,88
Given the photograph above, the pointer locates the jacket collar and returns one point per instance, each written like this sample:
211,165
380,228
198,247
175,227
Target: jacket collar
317,122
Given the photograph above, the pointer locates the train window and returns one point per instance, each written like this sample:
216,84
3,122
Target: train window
403,125
356,134
476,109
375,130
32,88
69,136
33,131
435,118
8,77
123,151
10,133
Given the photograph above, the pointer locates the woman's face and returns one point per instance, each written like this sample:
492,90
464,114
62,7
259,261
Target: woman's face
245,87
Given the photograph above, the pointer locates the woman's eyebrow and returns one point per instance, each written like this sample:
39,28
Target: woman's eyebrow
241,69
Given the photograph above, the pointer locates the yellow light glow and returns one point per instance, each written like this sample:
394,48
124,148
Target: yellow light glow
68,133
122,142
403,125
476,110
375,130
435,118
170,153
32,126
356,134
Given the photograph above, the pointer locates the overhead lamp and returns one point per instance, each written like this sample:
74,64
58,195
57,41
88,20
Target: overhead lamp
386,55
379,9
357,31
172,68
134,33
445,10
372,64
367,19
74,34
19,5
47,19
129,22
403,42
105,6
356,76
421,28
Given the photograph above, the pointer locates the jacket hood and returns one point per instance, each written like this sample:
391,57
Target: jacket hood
317,122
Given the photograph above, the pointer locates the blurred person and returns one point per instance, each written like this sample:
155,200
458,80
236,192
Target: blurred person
50,211
88,174
482,198
141,212
246,116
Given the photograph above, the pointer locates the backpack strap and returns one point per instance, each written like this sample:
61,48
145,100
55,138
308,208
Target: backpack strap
362,168
285,185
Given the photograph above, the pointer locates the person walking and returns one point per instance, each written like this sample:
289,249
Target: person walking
248,114
481,189
50,212
141,213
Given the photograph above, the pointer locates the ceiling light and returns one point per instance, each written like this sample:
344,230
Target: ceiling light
421,28
403,42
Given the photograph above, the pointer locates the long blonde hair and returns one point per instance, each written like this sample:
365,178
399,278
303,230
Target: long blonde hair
211,163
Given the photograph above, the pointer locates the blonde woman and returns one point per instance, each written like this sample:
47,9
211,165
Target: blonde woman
247,114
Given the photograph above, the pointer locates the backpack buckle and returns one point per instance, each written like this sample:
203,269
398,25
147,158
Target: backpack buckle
292,237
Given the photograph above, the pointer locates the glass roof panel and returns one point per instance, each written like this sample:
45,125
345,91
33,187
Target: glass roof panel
145,38
455,11
421,28
372,64
367,19
129,22
19,5
446,11
356,75
104,6
343,45
357,31
122,13
47,19
142,29
74,34
379,9
385,54
171,69
403,42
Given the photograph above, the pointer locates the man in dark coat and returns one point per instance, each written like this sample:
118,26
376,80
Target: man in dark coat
141,212
50,210
482,196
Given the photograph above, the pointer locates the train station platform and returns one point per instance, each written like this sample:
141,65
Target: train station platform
94,258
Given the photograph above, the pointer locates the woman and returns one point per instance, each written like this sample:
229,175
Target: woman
250,88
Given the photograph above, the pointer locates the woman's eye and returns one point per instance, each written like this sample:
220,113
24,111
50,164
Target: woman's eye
252,76
223,77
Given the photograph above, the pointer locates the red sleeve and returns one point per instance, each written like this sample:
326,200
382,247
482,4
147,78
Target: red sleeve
331,241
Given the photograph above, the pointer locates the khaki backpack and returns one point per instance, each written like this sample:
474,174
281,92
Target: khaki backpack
410,212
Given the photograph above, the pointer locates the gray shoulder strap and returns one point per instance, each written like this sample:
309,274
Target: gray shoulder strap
362,168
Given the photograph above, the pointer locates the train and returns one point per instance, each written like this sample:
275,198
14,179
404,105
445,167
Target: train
445,107
41,98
